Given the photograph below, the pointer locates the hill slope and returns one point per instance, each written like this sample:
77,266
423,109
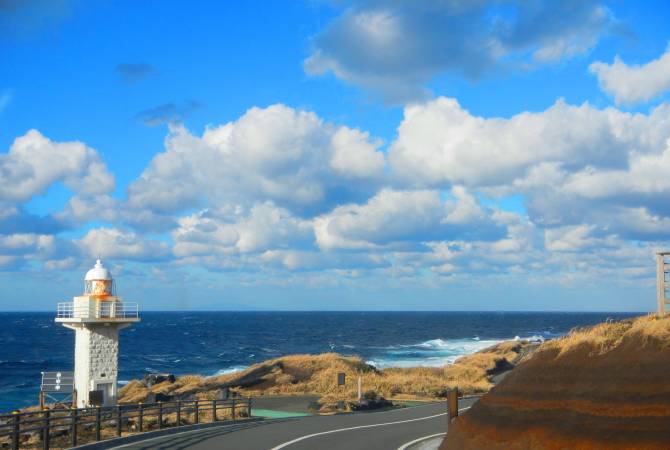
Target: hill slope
317,375
604,387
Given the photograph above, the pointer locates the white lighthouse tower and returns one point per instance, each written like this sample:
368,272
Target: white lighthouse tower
97,316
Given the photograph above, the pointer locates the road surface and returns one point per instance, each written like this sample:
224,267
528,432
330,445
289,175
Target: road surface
390,429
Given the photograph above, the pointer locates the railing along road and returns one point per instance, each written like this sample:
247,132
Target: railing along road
70,427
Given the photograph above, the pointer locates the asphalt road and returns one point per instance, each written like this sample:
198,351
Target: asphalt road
376,430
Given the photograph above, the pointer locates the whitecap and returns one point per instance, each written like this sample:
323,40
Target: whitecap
232,369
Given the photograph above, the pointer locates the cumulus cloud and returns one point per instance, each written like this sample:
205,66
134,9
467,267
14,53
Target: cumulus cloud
572,164
230,230
113,243
396,47
279,154
281,195
34,163
440,142
630,84
405,216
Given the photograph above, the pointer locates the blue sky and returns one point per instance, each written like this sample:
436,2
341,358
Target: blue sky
501,155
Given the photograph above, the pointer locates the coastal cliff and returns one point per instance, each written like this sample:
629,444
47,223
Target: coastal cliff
603,387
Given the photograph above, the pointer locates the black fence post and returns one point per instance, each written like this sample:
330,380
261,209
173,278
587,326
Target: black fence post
233,409
214,410
249,407
16,432
73,428
197,412
97,423
160,415
118,421
46,432
140,418
178,412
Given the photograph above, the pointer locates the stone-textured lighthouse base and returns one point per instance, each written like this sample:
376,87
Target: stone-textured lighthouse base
96,317
96,353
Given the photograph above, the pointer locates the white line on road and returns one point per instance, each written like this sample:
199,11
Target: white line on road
286,444
416,441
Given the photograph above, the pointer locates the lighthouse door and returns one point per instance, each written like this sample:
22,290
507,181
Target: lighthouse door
106,389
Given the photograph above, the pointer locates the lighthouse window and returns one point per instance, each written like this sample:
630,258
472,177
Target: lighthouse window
103,375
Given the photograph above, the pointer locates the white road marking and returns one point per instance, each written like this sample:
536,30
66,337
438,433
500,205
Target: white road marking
286,444
415,441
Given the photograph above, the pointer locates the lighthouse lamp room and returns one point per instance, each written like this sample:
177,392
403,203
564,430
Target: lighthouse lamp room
96,317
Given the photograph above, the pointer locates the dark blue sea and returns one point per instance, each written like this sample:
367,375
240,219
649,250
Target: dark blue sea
208,343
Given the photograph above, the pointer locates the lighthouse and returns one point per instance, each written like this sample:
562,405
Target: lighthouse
96,317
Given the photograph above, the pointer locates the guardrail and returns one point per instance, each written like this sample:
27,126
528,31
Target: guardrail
99,310
71,427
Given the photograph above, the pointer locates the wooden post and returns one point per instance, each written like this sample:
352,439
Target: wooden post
118,421
360,395
97,423
197,412
214,410
249,407
452,404
46,432
16,431
233,409
660,283
141,418
178,412
73,430
160,415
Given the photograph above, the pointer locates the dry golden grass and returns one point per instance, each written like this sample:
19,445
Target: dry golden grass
316,375
603,386
604,337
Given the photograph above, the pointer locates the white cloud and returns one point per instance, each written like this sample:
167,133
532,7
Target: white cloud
440,142
393,217
632,84
34,163
265,227
394,48
112,243
280,154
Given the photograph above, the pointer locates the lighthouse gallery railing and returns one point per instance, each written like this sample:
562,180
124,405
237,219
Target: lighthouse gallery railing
98,310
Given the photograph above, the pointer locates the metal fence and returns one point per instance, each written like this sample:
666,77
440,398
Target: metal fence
98,310
70,427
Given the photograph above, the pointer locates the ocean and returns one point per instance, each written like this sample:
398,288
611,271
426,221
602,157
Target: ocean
210,343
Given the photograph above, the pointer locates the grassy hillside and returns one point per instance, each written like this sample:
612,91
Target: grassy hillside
603,387
317,374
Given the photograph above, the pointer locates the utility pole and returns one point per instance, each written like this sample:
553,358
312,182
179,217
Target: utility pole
662,284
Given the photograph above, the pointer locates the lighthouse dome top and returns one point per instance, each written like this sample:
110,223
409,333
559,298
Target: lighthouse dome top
98,272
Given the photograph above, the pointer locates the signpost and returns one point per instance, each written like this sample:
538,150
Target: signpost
452,404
